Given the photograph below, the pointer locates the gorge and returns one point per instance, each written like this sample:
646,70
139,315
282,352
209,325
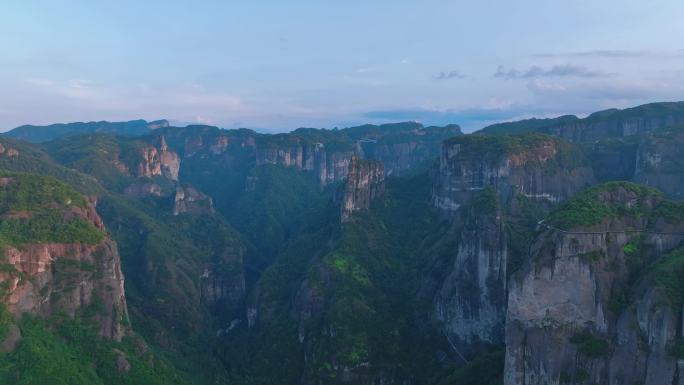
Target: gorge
527,253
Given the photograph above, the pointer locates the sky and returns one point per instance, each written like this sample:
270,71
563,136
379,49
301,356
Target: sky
278,65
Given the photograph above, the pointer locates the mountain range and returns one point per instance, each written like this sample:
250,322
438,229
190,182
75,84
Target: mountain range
542,251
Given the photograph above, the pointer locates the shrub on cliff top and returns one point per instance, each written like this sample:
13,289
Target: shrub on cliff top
668,273
37,200
499,145
588,209
27,192
494,147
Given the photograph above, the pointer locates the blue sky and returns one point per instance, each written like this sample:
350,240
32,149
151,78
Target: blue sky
278,65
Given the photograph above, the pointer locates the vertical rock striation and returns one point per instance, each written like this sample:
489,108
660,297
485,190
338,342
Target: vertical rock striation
470,299
587,307
365,181
660,162
74,277
159,161
534,166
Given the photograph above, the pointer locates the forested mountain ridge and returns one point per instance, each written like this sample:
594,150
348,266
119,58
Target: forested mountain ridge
394,254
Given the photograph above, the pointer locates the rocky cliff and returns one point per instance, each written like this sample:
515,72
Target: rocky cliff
365,181
660,162
590,304
534,166
57,256
223,283
159,161
407,151
8,152
189,200
326,164
469,300
620,123
325,154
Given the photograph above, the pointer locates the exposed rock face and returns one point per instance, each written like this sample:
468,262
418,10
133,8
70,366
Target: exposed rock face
324,154
193,144
215,144
222,284
219,145
406,152
614,160
660,162
169,161
68,277
327,166
616,123
143,189
150,165
366,180
163,123
537,168
470,300
159,162
578,314
189,200
8,151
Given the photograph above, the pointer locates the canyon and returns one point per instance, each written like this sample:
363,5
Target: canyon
547,251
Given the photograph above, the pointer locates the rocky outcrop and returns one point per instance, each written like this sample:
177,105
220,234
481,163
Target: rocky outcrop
75,278
8,152
189,200
169,161
159,161
582,309
365,181
533,166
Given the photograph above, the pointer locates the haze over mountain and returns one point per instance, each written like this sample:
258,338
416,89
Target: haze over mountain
338,64
342,192
397,254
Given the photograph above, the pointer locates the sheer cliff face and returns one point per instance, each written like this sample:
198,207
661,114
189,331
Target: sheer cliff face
223,285
590,130
366,180
404,153
619,123
660,162
584,307
533,166
325,154
159,162
470,301
328,166
66,274
189,200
